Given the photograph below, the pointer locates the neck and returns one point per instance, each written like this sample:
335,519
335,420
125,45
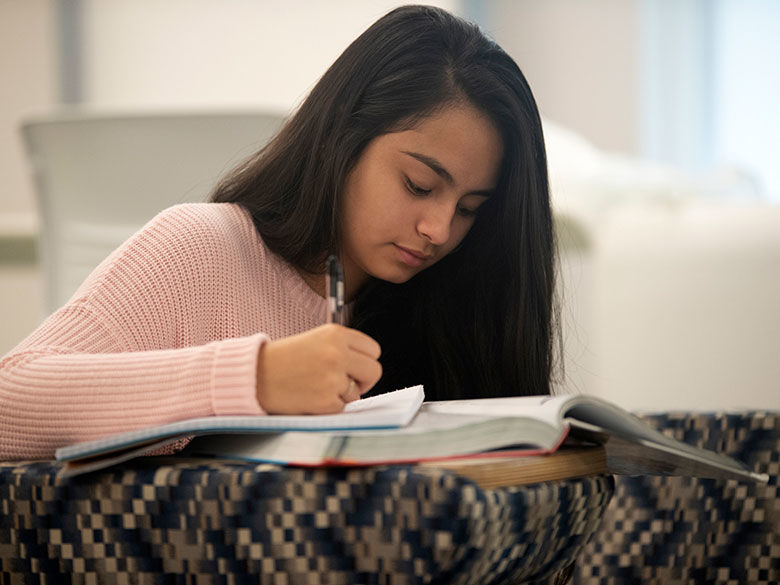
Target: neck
354,278
353,281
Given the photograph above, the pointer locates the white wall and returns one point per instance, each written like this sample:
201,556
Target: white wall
580,59
28,80
206,53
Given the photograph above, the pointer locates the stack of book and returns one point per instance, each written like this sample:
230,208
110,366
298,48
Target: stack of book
495,441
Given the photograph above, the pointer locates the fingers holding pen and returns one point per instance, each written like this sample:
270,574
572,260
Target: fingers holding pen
361,352
312,373
358,355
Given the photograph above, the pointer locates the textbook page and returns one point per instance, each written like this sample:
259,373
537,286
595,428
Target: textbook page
548,409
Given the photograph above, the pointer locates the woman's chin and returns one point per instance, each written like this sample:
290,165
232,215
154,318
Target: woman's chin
397,276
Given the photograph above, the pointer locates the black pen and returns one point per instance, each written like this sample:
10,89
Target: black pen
334,285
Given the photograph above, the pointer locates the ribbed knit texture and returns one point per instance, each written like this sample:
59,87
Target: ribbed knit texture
168,327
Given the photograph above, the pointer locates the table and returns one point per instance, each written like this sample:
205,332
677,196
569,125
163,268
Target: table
176,520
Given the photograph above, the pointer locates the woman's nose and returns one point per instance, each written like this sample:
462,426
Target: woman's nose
435,222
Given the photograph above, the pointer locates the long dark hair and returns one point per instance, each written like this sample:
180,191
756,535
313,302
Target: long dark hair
482,321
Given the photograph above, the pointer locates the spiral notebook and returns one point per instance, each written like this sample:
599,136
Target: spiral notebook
386,411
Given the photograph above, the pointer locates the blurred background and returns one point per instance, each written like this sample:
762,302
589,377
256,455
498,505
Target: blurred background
661,123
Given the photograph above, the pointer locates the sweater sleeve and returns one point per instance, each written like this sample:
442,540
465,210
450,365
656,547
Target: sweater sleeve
138,345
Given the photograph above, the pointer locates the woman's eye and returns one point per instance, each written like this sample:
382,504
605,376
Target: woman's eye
466,212
416,189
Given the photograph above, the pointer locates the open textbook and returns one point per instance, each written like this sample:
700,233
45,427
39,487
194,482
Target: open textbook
430,431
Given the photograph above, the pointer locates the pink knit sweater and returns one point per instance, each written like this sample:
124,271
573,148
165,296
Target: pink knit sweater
168,327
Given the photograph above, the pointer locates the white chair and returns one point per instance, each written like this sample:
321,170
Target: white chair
100,177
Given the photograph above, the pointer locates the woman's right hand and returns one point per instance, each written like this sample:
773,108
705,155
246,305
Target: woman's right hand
313,372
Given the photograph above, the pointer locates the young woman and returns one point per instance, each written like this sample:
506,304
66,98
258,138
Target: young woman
419,160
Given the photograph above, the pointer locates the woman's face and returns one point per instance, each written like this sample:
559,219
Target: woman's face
413,195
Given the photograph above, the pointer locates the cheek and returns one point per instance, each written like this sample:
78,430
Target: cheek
377,210
364,218
357,207
365,223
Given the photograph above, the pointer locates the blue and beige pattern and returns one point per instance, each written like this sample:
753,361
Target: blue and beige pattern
686,531
169,520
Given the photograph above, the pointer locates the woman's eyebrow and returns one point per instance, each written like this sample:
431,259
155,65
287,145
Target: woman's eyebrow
439,169
435,165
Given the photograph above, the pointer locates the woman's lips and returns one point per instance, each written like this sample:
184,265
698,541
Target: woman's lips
411,257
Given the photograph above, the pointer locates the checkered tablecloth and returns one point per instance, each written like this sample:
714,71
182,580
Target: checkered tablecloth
169,520
688,531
